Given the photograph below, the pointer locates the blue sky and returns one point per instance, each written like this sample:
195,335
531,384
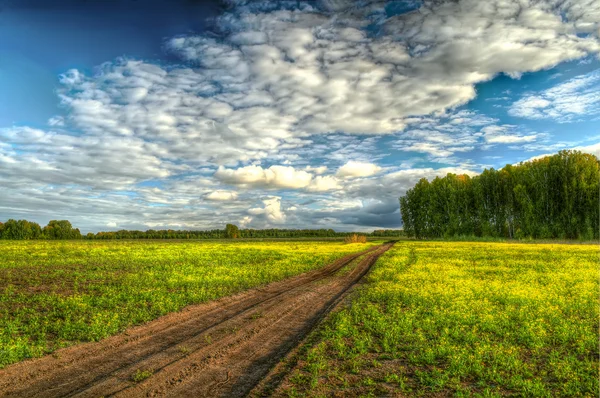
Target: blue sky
191,114
42,39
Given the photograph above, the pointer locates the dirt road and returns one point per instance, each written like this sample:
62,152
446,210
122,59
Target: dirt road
222,348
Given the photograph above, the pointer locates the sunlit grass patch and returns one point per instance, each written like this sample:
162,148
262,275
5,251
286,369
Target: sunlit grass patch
464,319
56,293
141,375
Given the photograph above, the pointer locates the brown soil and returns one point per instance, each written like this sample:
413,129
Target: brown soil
221,348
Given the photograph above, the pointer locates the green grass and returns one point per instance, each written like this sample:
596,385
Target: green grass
141,375
56,293
463,319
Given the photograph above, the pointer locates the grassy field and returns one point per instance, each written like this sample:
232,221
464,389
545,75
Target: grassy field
462,319
55,293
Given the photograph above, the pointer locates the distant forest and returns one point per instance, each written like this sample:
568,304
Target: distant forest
553,197
62,229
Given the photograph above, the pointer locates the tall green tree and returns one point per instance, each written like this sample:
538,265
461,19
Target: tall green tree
552,197
61,229
232,231
21,229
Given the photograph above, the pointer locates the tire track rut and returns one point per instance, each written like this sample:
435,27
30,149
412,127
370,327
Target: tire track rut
221,348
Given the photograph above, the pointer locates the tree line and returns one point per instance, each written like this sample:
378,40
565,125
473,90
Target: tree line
23,229
62,229
553,197
230,232
233,232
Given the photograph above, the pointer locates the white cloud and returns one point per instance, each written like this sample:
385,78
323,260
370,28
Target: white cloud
358,169
324,75
504,134
221,195
441,138
511,139
56,121
42,157
324,183
432,149
564,103
594,149
271,211
245,221
274,176
277,77
316,170
278,177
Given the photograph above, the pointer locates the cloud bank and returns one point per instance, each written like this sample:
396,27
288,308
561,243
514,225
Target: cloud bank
295,102
563,103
